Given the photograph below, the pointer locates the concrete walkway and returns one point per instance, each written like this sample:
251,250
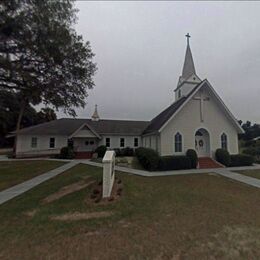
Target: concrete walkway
18,189
239,177
226,172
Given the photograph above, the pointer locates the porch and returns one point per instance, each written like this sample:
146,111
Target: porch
84,147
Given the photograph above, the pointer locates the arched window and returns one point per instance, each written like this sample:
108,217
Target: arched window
224,143
178,142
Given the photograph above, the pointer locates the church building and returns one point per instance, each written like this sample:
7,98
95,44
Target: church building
198,119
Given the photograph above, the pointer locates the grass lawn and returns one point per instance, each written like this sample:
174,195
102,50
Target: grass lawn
251,173
15,172
175,217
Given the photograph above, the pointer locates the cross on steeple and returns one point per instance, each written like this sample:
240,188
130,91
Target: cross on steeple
188,38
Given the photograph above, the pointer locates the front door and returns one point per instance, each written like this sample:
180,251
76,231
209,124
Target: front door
200,145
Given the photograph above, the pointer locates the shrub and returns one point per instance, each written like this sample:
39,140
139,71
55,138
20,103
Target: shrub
67,153
124,151
223,156
249,143
174,163
118,152
254,151
127,151
241,160
192,154
148,158
101,150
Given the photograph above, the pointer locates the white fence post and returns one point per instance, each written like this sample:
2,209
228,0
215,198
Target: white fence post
108,173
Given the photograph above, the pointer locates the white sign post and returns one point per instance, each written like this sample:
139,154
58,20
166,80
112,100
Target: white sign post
108,173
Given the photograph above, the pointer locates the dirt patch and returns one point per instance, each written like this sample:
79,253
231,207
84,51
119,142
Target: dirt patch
30,213
96,195
82,216
67,190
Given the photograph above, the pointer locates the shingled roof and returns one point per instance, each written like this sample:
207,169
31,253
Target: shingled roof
166,114
67,126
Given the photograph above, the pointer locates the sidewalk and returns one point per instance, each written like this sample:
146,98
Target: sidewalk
18,189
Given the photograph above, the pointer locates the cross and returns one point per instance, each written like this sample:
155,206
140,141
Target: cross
201,99
188,37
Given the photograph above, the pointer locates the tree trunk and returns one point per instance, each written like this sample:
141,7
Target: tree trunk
18,124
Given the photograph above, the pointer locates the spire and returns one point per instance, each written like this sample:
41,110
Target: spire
188,67
95,116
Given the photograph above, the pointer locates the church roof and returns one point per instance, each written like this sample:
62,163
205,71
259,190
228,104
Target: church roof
161,120
166,114
188,67
67,126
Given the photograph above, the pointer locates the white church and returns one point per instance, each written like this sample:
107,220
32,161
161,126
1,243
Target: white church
198,119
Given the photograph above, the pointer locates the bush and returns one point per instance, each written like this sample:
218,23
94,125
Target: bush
254,151
174,163
124,151
66,153
192,154
241,160
127,151
223,156
249,143
148,158
101,150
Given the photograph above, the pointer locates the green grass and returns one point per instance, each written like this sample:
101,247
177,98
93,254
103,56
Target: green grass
191,217
251,173
14,172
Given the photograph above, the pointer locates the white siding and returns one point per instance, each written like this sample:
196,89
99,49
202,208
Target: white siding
187,122
115,141
24,148
151,141
84,133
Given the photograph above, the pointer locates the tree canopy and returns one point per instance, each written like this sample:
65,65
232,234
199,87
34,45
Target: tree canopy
42,57
9,110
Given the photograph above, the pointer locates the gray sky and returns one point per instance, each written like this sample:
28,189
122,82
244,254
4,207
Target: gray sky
140,48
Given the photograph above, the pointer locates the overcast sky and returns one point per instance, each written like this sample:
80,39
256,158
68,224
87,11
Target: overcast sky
140,48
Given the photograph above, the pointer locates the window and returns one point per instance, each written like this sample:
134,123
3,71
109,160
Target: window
34,142
52,142
150,142
224,141
91,142
178,142
136,142
86,143
107,142
122,142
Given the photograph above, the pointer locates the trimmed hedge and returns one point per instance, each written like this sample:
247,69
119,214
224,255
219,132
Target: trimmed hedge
67,153
241,160
101,150
148,158
192,154
223,157
124,151
168,163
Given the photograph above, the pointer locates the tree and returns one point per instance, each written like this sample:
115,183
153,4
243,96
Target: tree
9,111
45,115
42,57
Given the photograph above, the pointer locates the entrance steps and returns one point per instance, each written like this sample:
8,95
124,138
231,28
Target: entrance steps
83,155
207,163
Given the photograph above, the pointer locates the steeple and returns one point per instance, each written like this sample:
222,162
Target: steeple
188,79
188,67
95,116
